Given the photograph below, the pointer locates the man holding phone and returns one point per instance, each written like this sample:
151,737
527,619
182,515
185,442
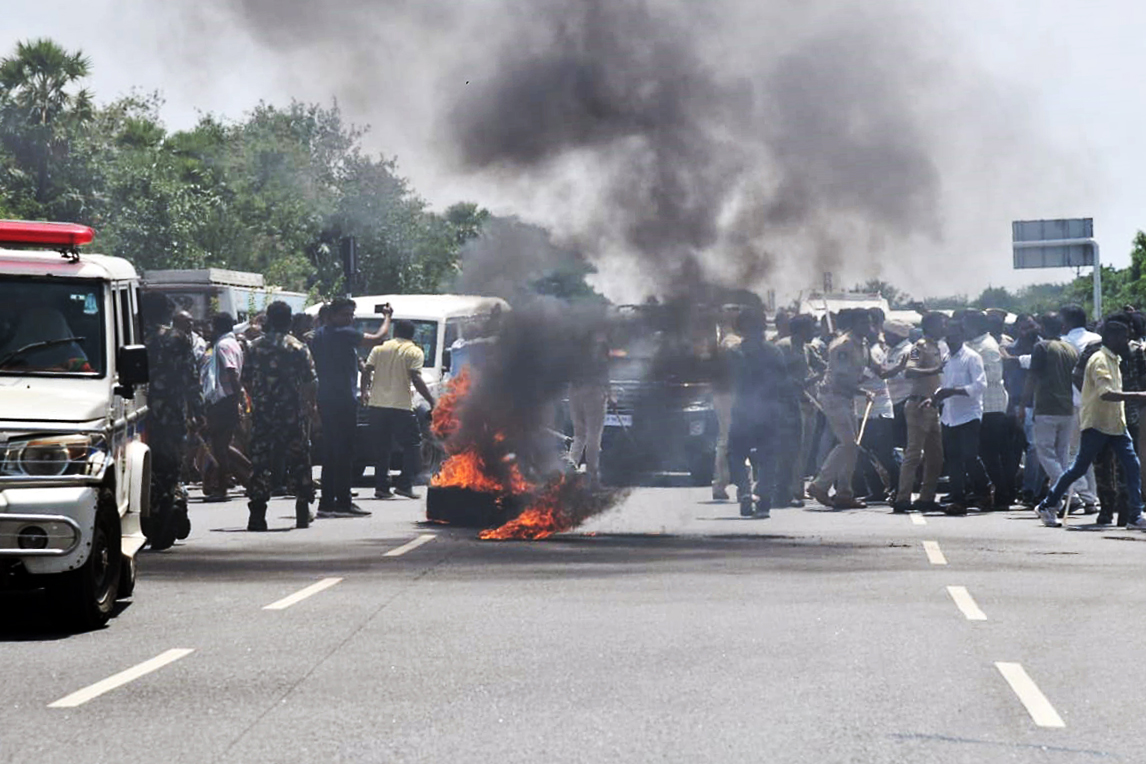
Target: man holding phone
335,350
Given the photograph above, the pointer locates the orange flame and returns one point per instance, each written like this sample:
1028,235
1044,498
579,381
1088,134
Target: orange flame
542,519
466,467
468,470
446,419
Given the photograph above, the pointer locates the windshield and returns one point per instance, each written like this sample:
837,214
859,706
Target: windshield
51,326
425,336
663,346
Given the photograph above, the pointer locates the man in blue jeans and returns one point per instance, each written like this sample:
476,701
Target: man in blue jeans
1103,422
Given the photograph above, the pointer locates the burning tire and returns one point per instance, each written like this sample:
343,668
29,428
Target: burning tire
467,508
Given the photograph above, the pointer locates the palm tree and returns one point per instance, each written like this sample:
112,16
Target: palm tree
39,105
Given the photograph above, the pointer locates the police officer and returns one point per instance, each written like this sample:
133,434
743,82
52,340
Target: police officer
924,434
174,398
847,359
280,379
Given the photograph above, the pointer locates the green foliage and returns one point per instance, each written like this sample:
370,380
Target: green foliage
42,110
272,193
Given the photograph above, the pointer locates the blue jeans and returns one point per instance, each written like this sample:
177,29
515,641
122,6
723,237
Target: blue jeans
1090,445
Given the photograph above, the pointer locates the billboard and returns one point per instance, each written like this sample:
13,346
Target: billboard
1062,243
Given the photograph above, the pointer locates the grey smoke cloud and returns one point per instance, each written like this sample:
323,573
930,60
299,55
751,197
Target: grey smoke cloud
745,142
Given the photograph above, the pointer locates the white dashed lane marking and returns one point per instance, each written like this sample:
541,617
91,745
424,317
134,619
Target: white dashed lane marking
399,551
934,553
966,603
917,519
302,594
90,692
1037,705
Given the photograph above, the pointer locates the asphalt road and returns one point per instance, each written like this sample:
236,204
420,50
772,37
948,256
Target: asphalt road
666,630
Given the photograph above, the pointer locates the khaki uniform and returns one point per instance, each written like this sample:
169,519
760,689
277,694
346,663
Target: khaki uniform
847,359
924,433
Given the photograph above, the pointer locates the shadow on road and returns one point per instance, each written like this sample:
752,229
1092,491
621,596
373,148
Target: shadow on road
29,617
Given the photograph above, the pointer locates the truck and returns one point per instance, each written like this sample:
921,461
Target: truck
75,471
205,291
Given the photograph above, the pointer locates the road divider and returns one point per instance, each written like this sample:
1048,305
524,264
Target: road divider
79,697
934,553
410,546
966,603
302,594
1032,698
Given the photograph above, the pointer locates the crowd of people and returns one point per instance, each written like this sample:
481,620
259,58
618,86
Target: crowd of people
849,410
244,408
854,410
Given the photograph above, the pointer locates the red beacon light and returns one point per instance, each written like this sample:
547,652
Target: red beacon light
63,236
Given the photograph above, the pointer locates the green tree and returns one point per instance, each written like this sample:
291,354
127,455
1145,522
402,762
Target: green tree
41,109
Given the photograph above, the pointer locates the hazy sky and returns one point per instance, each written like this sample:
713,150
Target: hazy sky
1069,72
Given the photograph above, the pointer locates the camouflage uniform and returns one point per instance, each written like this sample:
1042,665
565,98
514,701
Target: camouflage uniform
277,372
173,397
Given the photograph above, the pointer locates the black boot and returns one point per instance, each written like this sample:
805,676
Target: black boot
258,519
302,513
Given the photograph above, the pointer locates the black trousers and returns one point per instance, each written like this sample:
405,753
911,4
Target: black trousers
339,423
755,445
961,448
395,427
996,442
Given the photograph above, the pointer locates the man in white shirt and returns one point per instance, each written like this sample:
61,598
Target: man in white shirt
221,375
964,383
996,434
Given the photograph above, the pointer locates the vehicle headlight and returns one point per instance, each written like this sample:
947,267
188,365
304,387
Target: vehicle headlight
54,455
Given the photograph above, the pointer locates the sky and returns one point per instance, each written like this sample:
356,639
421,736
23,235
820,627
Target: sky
1062,78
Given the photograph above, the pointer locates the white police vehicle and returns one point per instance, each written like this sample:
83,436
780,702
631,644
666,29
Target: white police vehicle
74,468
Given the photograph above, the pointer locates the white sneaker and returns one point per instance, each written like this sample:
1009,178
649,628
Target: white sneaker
1137,525
1049,517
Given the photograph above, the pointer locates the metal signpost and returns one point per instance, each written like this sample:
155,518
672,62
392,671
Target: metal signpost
1063,243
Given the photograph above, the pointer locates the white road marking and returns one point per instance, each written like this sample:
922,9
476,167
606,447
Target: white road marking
918,519
1037,705
302,594
399,551
934,553
80,697
966,603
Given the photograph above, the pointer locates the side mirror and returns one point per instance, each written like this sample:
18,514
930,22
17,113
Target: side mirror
445,360
131,362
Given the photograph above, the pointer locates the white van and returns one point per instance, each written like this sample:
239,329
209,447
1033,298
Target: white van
439,321
75,475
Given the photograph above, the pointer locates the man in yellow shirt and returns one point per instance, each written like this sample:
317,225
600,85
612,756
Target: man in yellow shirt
390,370
1103,422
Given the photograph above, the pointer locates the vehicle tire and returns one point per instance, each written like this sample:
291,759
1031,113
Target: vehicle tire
127,577
85,597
